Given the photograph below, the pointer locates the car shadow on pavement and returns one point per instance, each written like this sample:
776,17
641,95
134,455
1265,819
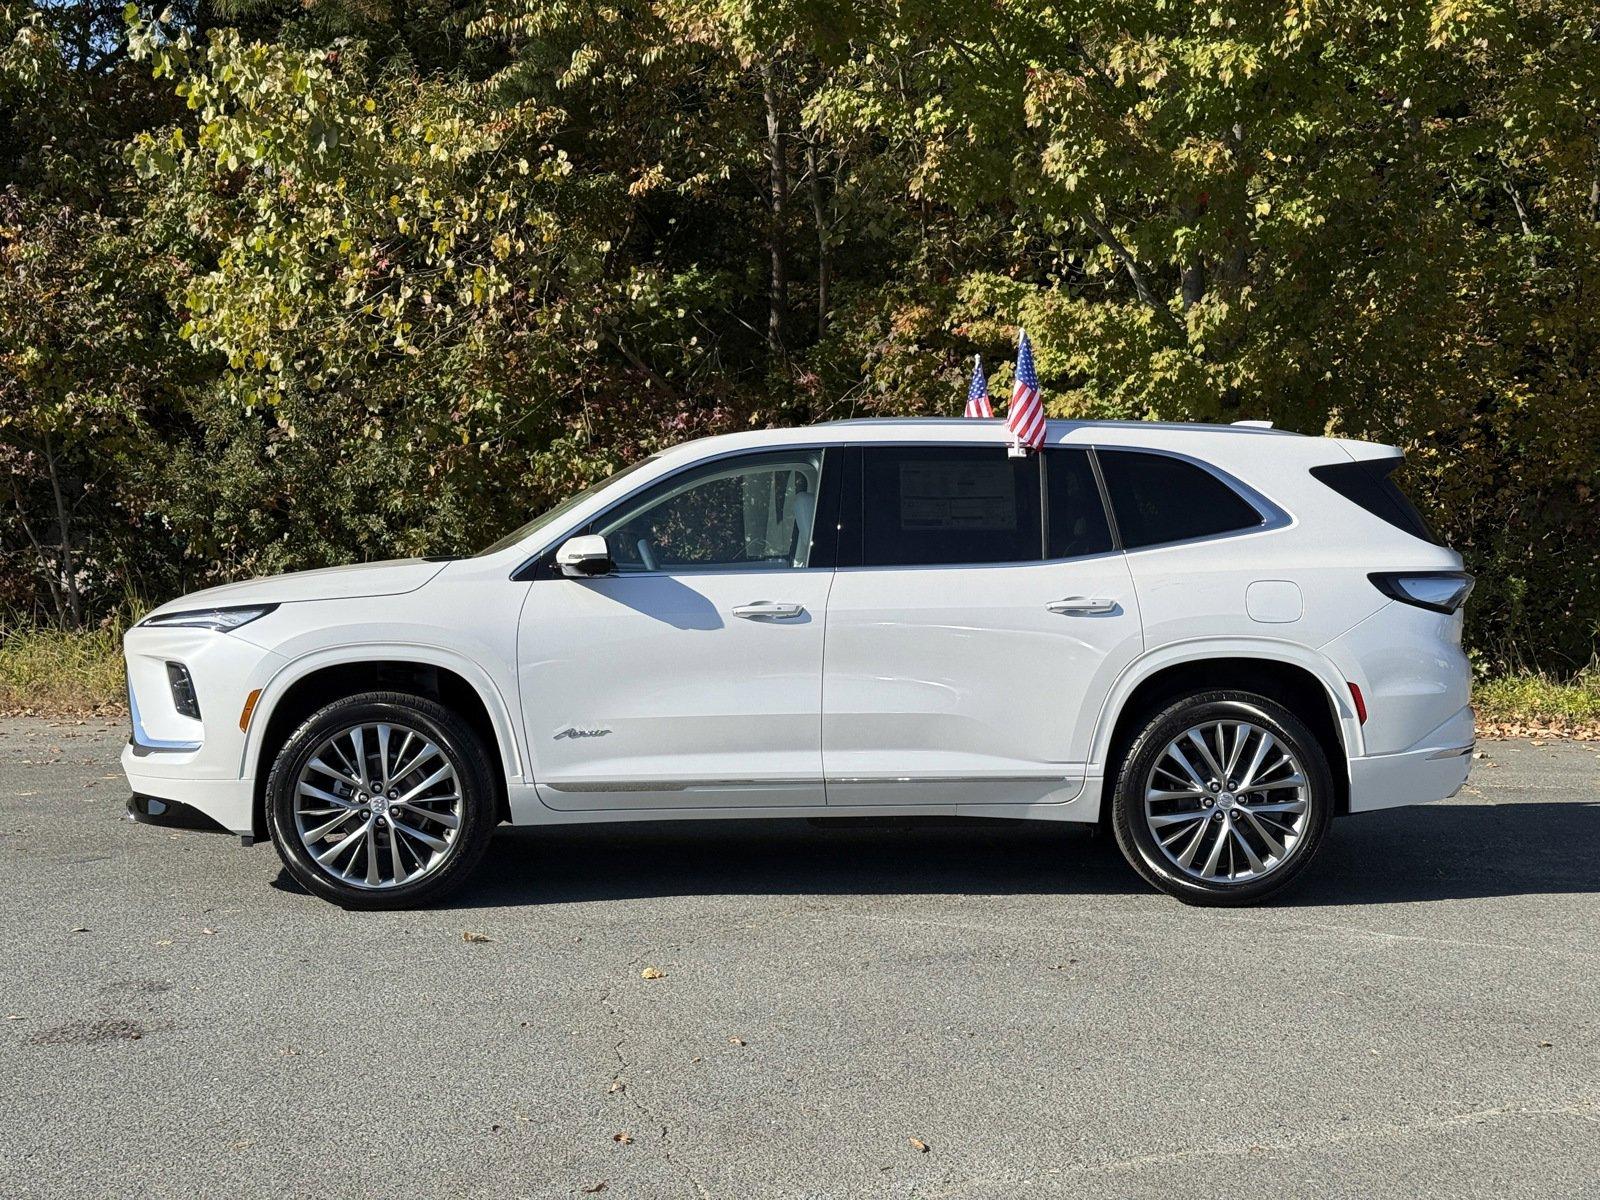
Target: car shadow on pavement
1456,852
792,857
1442,852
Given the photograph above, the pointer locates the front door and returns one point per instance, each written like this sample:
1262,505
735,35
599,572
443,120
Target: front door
691,677
987,611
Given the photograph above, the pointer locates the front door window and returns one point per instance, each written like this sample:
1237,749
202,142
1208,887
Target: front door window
750,513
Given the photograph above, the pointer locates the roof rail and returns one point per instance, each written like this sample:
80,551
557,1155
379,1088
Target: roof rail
1254,424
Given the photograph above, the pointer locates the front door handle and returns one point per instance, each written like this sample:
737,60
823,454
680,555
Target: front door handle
1081,606
769,610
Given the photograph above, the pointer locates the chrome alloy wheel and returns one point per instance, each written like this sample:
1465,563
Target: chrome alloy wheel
378,805
1226,802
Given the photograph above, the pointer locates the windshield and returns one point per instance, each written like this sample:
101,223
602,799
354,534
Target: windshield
571,502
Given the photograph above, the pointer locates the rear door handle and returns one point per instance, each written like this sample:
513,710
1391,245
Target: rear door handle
769,610
1081,606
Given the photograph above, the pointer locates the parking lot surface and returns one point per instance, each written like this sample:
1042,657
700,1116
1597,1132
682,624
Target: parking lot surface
940,1010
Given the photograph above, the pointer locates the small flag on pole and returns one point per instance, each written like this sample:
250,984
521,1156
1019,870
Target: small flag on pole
978,402
1025,416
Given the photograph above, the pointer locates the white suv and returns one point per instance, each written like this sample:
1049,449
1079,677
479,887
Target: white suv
1215,639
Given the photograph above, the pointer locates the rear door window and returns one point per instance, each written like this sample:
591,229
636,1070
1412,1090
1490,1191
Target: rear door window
1075,518
1158,498
948,505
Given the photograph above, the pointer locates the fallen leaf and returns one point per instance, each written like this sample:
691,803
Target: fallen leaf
79,929
652,973
599,1185
1545,1045
917,1144
468,935
622,1138
736,1041
617,1086
164,942
208,931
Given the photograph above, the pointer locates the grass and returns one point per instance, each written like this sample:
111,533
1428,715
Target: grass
53,672
1512,705
50,672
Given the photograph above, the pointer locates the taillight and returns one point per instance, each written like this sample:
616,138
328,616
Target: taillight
1438,591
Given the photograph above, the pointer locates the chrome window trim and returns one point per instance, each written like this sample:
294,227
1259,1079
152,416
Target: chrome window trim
1273,516
696,464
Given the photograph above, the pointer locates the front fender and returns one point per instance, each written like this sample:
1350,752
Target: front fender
391,649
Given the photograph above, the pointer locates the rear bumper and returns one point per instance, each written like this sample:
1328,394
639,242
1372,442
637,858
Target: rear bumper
1434,769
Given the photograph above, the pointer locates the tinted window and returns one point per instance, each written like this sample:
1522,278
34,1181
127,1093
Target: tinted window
756,511
1161,499
1076,520
927,505
1369,485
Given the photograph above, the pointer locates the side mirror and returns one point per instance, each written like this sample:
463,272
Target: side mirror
585,556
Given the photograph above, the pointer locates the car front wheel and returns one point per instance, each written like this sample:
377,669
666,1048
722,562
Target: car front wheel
1223,798
381,800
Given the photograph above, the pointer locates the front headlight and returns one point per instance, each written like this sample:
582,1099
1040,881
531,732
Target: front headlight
220,619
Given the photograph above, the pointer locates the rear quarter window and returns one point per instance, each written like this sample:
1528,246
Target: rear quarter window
1370,485
1157,499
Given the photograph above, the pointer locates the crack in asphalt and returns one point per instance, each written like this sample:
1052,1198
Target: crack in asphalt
1584,1109
649,1116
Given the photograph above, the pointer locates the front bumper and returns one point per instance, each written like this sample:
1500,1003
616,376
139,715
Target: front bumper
169,814
165,776
174,758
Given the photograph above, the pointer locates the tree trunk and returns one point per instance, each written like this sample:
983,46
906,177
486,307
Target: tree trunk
1192,281
1130,264
45,563
819,216
778,289
66,564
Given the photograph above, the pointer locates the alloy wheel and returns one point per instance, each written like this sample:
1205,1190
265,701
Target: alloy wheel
1227,802
378,805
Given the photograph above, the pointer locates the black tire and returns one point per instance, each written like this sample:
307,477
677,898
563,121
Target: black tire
1135,837
459,746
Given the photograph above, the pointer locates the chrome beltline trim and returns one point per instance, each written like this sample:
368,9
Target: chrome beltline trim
680,785
854,779
674,785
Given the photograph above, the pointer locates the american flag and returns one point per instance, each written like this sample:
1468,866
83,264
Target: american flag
1025,417
978,403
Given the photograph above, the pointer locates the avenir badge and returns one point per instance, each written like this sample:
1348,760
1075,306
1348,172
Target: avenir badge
571,732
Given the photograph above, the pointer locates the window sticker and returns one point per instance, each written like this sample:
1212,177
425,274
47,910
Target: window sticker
958,495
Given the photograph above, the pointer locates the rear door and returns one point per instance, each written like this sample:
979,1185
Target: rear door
982,608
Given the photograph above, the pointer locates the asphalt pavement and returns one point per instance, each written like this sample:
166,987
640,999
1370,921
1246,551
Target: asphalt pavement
938,1010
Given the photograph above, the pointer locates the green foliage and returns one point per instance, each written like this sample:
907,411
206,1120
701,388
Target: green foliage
356,281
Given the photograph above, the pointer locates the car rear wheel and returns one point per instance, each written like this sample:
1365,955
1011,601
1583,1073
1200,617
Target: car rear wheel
381,800
1223,798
